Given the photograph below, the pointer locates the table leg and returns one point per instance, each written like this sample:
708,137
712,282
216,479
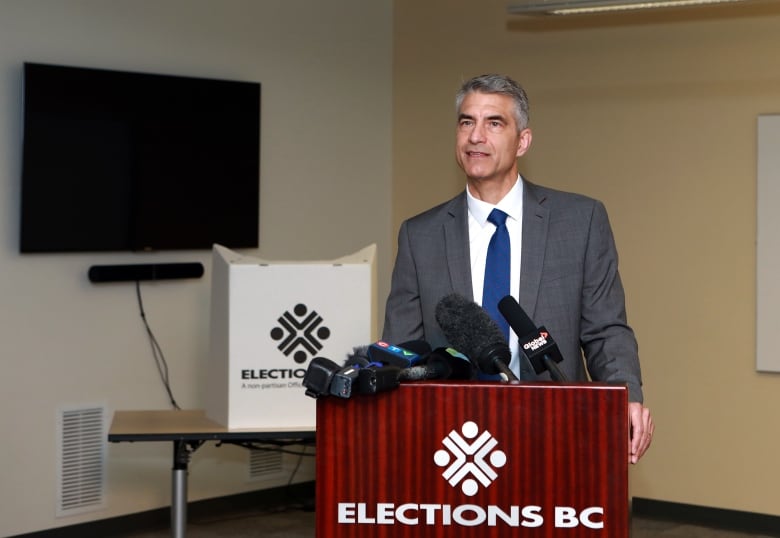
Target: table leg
181,457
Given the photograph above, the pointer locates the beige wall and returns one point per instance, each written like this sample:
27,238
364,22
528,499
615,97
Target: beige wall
325,69
654,114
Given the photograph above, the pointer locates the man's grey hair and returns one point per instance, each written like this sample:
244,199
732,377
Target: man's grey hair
500,84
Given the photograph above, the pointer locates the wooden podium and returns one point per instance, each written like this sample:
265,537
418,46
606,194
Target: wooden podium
481,459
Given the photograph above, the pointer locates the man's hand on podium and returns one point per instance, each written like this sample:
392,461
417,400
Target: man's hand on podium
641,431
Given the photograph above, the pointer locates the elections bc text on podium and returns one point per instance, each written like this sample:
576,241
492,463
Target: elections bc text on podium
269,320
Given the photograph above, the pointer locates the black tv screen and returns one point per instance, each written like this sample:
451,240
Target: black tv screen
116,160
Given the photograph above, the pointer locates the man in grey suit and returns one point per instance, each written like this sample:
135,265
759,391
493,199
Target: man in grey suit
564,263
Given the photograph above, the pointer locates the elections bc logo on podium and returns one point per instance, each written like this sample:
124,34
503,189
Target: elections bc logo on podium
477,459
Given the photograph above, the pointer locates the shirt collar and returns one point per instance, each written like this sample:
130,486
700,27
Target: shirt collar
511,204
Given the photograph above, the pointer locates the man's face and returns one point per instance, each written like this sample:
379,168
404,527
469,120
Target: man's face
488,142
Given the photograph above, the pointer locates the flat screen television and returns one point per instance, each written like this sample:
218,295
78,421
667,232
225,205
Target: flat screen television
117,161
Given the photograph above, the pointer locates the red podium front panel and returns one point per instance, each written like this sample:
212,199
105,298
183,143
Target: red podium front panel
444,459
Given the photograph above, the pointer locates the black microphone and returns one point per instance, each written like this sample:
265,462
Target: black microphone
471,330
345,380
376,368
441,363
369,369
535,342
373,378
318,376
450,363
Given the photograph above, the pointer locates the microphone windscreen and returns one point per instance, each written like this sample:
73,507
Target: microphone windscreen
415,373
358,357
471,330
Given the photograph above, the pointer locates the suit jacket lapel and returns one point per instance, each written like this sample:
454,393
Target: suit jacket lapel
535,225
456,239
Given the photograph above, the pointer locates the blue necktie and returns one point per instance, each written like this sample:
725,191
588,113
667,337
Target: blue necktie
497,269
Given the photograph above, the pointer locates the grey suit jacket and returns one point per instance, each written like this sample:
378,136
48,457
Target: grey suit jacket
569,282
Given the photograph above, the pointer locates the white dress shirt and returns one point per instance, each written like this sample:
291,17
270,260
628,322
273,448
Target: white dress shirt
480,232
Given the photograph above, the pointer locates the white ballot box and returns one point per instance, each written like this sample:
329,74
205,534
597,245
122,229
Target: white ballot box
269,319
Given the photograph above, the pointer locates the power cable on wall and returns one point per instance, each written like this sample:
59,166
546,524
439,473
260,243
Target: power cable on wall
157,353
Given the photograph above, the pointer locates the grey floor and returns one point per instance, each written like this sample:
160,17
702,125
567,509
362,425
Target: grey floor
300,524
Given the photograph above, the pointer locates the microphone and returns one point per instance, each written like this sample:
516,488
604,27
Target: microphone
344,380
421,347
358,356
318,376
377,378
450,363
403,355
535,343
359,374
364,378
470,329
370,369
441,363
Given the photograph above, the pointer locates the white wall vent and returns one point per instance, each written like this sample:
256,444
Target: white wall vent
265,464
81,460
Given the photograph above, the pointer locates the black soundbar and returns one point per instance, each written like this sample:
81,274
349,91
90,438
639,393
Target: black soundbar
144,271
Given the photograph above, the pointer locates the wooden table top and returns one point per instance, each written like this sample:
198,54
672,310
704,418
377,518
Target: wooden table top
188,424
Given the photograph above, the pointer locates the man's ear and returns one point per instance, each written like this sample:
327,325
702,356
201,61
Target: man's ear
525,142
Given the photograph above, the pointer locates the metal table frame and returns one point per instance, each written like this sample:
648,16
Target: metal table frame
188,430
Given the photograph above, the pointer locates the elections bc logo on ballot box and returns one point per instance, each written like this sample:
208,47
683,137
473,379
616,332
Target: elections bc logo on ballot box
301,334
471,459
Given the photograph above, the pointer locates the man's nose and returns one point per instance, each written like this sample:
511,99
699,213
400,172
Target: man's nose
477,134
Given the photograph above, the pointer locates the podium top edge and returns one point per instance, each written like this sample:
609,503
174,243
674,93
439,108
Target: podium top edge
526,385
